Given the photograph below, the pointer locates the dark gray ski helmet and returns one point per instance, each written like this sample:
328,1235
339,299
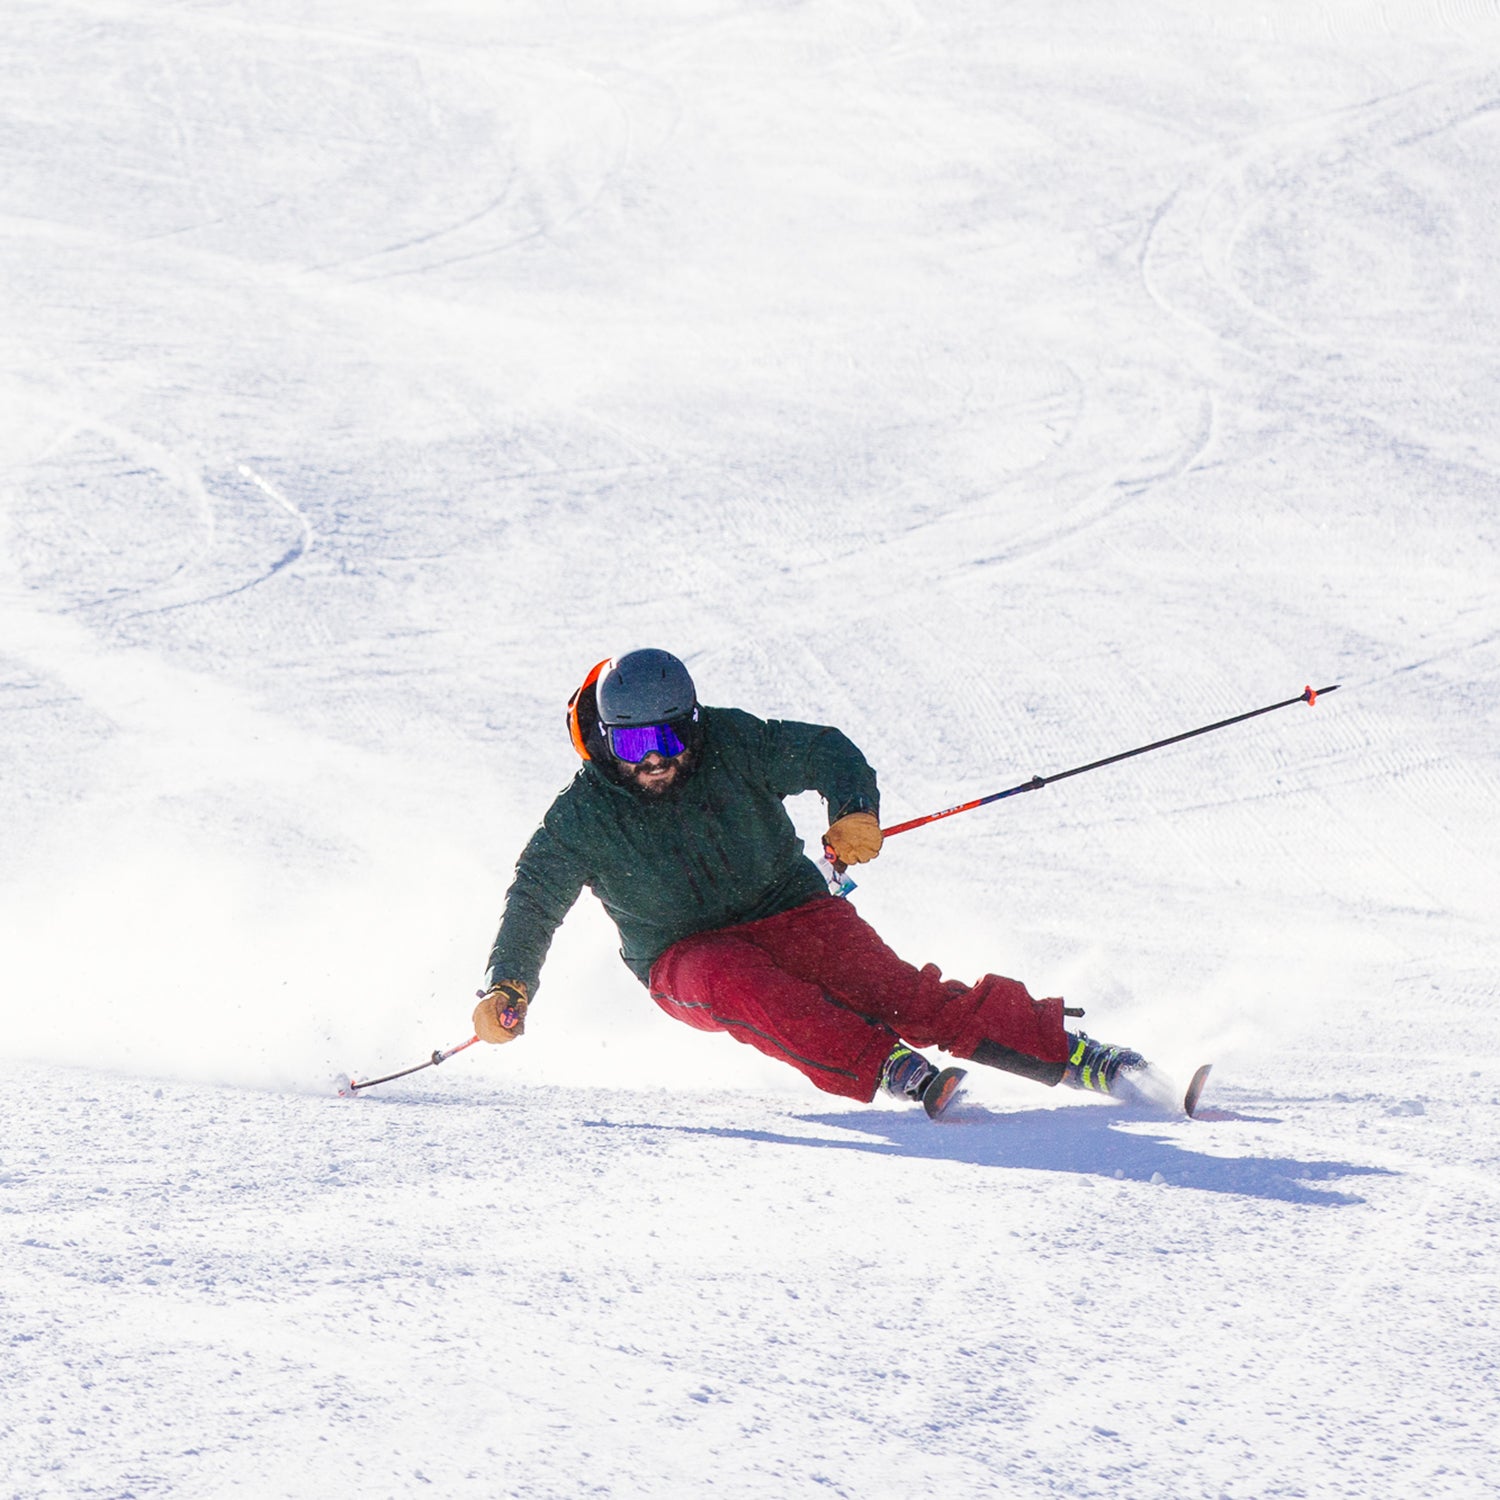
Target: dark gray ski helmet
645,687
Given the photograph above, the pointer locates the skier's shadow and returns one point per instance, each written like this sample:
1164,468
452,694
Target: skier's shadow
1086,1139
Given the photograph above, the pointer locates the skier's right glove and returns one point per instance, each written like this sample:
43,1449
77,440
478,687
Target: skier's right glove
500,1015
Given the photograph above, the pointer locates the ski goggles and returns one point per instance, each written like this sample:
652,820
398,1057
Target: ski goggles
634,742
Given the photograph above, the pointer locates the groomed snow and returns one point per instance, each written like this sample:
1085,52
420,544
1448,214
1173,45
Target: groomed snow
1008,385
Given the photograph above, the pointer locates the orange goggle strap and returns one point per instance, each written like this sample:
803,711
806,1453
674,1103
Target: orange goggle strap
575,728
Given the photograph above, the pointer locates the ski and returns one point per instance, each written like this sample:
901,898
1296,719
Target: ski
941,1090
1195,1090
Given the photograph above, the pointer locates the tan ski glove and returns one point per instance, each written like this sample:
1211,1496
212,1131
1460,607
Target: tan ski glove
855,838
500,1015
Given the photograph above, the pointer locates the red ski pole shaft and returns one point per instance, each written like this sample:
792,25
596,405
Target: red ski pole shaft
1308,695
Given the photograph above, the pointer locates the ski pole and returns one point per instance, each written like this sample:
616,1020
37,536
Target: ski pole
840,885
352,1087
1308,695
349,1089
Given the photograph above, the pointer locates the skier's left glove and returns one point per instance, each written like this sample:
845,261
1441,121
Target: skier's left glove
500,1015
855,838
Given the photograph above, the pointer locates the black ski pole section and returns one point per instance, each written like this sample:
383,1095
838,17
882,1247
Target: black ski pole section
354,1086
1308,695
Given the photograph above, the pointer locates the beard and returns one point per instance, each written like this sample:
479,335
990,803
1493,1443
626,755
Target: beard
640,780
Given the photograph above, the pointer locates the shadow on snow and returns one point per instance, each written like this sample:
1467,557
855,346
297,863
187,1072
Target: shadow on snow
1087,1139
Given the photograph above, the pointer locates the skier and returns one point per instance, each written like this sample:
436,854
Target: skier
676,822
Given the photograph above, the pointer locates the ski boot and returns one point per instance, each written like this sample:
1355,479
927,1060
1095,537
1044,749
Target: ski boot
908,1075
1102,1068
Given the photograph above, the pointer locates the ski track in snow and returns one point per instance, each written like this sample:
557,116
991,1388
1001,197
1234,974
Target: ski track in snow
281,1293
1006,389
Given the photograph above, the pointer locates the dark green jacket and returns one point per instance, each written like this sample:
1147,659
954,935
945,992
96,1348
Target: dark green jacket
717,850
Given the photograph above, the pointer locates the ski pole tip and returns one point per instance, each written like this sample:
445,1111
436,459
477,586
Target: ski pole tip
1311,694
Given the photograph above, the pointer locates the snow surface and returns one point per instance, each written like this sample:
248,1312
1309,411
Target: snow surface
1008,384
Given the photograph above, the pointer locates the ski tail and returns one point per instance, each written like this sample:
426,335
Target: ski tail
1153,1088
1195,1090
941,1091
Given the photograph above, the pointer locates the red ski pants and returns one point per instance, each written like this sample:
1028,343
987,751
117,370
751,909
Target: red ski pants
817,987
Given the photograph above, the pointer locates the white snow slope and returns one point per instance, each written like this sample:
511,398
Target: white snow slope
1008,384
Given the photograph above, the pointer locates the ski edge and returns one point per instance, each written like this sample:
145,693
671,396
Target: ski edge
1195,1090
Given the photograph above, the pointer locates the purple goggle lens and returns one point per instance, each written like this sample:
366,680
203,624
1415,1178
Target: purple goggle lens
634,742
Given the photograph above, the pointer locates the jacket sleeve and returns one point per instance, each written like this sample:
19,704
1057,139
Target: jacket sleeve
817,758
548,881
